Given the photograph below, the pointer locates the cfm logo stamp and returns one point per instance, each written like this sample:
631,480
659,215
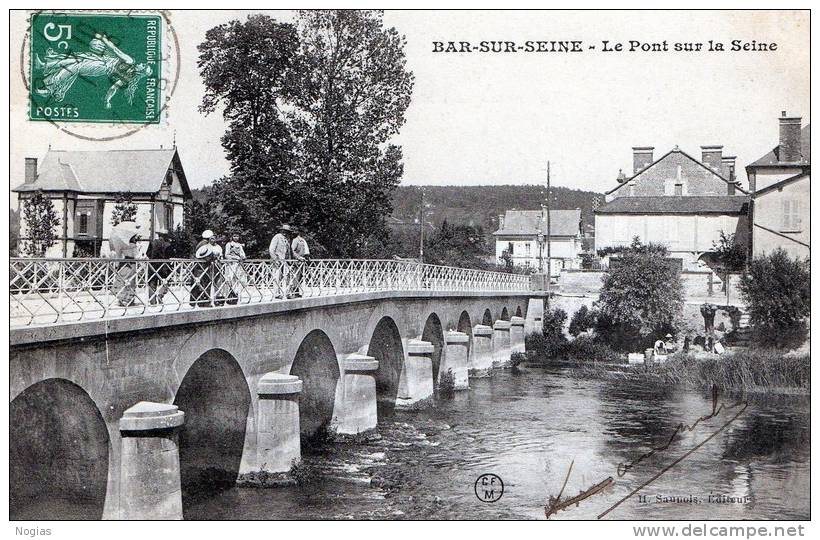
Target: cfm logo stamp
95,68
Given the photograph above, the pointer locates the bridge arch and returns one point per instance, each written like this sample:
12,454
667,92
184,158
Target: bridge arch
466,326
434,333
487,318
505,315
317,366
386,347
216,400
58,453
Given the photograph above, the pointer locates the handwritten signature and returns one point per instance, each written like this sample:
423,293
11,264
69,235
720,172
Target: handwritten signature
556,504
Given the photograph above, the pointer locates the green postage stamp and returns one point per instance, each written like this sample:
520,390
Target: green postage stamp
96,68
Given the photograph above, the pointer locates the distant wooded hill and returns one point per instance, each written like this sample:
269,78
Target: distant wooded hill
481,205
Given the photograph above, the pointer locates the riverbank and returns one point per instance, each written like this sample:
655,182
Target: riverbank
758,371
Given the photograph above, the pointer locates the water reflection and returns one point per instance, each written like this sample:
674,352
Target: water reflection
527,427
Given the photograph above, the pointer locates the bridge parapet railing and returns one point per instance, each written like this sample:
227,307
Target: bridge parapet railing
51,291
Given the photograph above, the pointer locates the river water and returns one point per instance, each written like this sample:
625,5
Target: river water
527,426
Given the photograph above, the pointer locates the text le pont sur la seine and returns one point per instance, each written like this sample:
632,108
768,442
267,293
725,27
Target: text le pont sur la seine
604,46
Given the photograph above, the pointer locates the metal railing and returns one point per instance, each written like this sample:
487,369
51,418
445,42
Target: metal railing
50,291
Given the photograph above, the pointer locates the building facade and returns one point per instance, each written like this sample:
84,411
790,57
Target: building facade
522,237
780,183
84,187
675,200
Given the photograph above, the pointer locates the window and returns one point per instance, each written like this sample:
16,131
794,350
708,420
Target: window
510,248
169,217
83,223
678,189
792,220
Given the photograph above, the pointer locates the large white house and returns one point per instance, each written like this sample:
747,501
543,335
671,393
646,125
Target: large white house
85,185
522,236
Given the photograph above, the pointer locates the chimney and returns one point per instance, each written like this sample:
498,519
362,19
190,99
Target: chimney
712,156
641,157
31,170
621,176
729,172
500,222
789,149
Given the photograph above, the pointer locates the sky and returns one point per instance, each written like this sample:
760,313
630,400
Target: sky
498,118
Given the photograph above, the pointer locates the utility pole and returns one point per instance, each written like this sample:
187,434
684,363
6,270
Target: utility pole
549,231
421,227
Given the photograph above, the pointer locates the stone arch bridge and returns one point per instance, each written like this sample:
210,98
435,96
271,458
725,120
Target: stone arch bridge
128,417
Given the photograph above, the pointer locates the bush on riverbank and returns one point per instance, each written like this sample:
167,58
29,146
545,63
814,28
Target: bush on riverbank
552,344
777,291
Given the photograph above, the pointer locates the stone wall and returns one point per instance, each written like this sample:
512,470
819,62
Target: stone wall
695,285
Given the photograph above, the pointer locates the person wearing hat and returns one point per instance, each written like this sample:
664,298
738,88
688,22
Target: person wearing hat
280,252
207,251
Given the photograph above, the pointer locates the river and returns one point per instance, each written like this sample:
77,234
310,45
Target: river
526,426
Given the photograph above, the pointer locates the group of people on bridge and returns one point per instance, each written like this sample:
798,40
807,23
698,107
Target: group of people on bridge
218,277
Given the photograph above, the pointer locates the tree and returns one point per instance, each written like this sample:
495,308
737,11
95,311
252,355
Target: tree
582,320
730,256
777,292
248,69
350,98
456,245
41,220
124,209
641,298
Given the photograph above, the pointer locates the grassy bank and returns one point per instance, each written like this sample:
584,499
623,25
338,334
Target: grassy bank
747,370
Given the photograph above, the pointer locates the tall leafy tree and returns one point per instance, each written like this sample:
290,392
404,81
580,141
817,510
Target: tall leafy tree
41,222
350,98
641,298
248,69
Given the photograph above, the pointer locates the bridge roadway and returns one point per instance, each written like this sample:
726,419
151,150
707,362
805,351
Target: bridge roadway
134,416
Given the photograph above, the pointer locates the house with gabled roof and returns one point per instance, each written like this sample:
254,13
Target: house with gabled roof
522,237
780,182
84,187
676,200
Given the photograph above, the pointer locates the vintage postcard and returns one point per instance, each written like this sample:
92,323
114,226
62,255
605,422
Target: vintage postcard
411,265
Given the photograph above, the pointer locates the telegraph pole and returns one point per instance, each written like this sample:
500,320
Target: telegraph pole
549,231
421,227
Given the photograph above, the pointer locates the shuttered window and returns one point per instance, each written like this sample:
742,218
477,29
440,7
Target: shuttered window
792,219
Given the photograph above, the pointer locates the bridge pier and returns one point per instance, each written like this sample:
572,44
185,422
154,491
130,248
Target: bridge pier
517,335
501,343
416,384
149,465
356,410
482,362
535,312
278,445
456,358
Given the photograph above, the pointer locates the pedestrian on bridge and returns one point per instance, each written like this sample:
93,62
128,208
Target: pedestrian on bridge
235,275
281,252
159,270
301,253
207,253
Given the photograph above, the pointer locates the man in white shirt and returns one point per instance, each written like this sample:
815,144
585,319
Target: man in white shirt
280,251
